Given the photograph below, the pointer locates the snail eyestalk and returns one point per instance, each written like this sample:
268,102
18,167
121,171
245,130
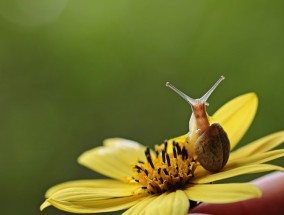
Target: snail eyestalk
191,101
204,98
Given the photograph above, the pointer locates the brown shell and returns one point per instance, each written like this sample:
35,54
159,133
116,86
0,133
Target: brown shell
213,148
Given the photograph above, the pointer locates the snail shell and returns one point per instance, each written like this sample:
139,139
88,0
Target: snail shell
212,148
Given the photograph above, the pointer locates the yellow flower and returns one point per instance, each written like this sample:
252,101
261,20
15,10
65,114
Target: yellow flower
163,183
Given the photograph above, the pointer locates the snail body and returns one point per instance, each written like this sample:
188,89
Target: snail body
211,143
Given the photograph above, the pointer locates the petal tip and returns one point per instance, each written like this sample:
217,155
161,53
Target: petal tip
259,193
80,159
85,157
252,96
255,191
44,205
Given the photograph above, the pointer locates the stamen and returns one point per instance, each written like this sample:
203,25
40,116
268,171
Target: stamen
163,156
138,167
166,145
178,149
157,153
189,171
149,158
184,153
165,171
175,152
168,159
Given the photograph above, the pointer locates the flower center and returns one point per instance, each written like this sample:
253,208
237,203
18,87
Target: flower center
165,171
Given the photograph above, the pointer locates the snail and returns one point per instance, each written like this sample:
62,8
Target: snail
211,143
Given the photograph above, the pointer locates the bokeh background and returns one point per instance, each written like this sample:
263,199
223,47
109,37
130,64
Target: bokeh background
73,73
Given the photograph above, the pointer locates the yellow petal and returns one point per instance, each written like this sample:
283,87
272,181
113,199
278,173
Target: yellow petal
79,194
90,205
236,116
261,145
114,158
247,169
174,203
97,183
222,193
139,208
256,158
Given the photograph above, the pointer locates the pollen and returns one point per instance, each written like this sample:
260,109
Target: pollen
164,171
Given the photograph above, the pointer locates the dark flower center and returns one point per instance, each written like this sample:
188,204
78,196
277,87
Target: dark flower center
165,171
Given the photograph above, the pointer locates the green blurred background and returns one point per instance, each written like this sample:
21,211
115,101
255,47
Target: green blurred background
73,73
